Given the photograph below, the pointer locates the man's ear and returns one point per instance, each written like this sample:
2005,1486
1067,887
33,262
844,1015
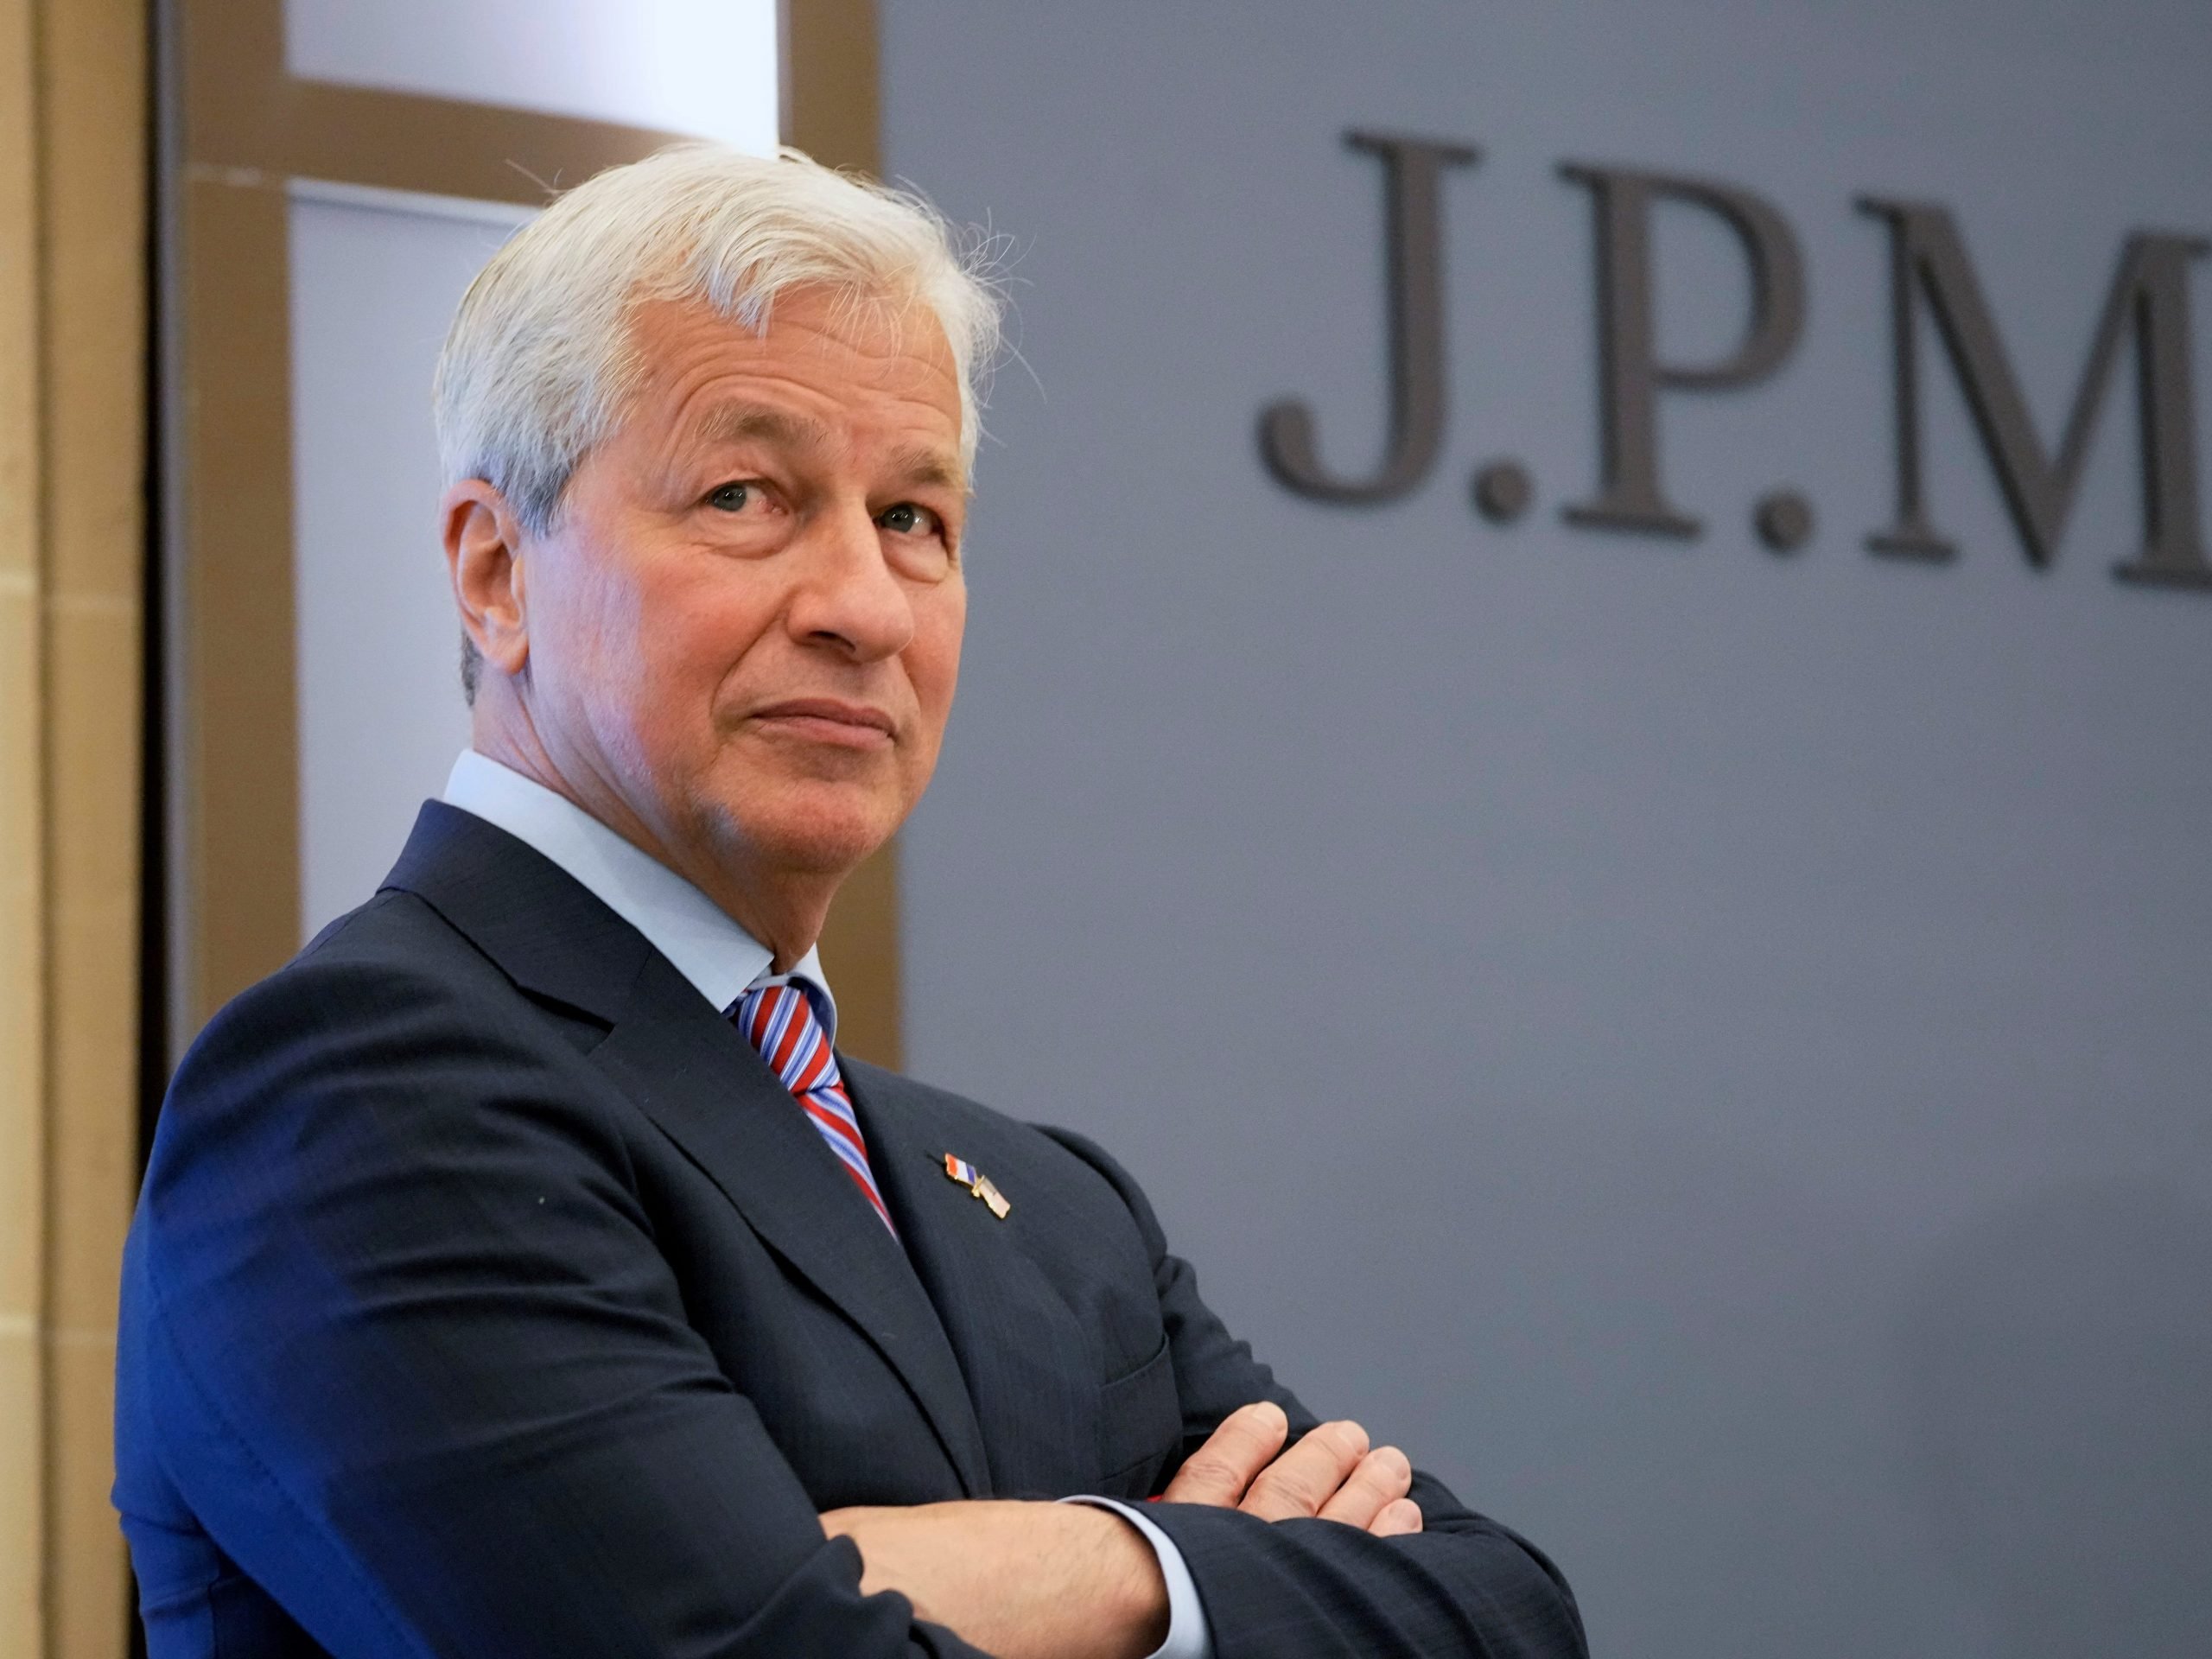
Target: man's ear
484,550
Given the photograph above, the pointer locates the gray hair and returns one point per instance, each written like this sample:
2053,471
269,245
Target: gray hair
538,364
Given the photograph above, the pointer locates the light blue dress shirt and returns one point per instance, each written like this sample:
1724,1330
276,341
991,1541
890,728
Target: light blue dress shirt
724,962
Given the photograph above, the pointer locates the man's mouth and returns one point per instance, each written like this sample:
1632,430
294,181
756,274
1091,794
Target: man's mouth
828,720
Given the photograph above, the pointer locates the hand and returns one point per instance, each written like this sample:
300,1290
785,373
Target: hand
1052,1580
1331,1473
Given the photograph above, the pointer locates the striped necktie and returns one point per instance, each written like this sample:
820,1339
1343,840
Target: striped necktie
779,1020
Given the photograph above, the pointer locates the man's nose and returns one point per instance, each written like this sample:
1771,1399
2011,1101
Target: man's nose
849,597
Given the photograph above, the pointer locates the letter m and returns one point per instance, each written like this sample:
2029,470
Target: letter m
2149,298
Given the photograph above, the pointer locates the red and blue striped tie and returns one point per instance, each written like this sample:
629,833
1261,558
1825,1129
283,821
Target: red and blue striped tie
779,1020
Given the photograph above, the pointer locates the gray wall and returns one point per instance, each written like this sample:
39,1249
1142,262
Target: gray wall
1707,1049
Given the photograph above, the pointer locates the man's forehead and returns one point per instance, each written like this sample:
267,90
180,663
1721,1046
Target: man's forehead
725,382
795,325
736,421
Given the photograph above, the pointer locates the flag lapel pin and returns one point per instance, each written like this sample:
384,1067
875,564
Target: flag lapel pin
978,1185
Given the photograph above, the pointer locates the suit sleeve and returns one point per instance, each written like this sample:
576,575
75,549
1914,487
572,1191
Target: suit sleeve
1317,1589
413,1360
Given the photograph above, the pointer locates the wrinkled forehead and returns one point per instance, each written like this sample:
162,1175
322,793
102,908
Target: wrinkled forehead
823,368
833,337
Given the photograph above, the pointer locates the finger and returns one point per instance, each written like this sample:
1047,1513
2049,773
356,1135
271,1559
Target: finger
1304,1477
1218,1471
1380,1478
1397,1518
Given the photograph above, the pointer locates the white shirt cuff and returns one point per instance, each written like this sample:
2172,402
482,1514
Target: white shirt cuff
1189,1636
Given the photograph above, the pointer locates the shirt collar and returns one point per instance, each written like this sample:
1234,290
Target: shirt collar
696,934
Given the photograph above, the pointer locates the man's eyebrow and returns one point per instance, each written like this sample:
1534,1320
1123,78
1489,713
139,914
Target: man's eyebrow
751,423
923,464
918,464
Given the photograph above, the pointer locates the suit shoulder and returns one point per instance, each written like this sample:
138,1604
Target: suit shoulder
392,954
390,1017
396,931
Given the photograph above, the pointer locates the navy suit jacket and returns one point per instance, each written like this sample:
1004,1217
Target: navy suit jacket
487,1296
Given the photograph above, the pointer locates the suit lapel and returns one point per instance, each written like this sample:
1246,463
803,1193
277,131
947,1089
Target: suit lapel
702,1084
545,930
1014,1333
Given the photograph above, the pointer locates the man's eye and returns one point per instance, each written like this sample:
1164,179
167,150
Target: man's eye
906,518
731,498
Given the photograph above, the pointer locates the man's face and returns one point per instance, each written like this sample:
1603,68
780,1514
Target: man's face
745,624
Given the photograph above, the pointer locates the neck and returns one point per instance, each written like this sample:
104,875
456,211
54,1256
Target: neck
784,909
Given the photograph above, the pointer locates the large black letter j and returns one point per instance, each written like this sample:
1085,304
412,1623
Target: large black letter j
1413,240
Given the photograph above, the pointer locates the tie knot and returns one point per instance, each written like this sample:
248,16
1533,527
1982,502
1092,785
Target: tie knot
779,1020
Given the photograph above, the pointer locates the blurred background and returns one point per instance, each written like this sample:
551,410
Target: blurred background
1685,1015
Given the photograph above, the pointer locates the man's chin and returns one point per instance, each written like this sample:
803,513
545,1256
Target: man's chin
827,838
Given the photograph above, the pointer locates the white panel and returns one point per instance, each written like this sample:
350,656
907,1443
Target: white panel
374,282
706,67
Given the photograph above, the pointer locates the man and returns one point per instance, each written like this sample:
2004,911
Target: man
521,1270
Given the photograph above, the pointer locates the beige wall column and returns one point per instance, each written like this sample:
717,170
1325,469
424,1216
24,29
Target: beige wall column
73,539
22,884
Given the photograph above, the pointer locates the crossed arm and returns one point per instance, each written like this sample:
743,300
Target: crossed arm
1068,1581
